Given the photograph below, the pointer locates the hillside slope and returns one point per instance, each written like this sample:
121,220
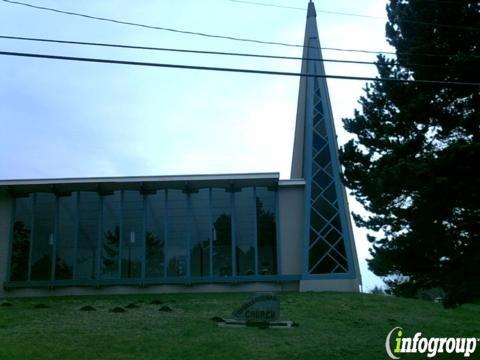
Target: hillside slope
332,325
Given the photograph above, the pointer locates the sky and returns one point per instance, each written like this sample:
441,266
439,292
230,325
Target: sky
63,119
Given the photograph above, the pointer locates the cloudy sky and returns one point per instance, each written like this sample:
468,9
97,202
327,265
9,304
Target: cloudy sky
68,119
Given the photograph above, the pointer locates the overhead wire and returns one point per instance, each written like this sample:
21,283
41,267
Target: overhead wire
233,38
473,2
448,2
236,70
332,12
270,5
205,52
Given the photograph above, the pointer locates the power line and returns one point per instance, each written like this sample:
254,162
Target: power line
205,52
256,41
269,5
186,32
359,15
473,2
236,70
332,12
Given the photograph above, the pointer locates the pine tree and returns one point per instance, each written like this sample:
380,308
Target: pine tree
413,162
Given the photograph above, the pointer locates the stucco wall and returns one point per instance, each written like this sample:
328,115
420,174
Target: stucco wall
291,214
337,285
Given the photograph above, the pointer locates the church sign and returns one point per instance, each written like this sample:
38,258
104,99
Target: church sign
260,308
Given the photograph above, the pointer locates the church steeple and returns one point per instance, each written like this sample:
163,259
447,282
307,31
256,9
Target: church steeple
329,245
311,9
311,50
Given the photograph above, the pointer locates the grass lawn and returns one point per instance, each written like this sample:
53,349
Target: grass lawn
332,326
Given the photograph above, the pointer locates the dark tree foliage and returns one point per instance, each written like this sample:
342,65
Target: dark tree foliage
200,254
267,237
20,251
42,268
414,160
222,252
223,228
111,246
155,253
63,271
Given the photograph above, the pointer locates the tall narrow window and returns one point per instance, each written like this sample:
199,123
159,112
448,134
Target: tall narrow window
201,233
266,231
22,236
132,242
88,218
43,237
245,232
155,235
222,232
178,233
67,231
110,236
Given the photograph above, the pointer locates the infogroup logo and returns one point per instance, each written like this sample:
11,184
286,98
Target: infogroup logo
429,346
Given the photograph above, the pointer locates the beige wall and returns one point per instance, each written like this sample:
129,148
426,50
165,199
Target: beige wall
340,285
291,212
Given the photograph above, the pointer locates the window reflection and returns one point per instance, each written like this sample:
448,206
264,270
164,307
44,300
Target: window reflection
88,226
178,232
245,232
132,233
222,232
201,233
95,232
22,236
110,236
154,236
65,247
266,231
43,237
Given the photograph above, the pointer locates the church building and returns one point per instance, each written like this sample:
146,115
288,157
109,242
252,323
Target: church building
196,233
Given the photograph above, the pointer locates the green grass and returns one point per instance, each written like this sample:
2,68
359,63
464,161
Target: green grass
332,326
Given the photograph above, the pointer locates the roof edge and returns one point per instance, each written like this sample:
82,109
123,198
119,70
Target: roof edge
126,179
291,182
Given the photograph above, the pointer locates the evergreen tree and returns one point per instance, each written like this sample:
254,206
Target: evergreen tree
267,238
413,162
155,253
111,246
223,244
20,251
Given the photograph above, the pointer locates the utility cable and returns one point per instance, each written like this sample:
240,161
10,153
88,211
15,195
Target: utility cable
237,70
256,41
331,12
205,52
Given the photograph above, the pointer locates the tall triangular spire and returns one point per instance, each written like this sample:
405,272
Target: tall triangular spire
328,237
311,9
311,50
